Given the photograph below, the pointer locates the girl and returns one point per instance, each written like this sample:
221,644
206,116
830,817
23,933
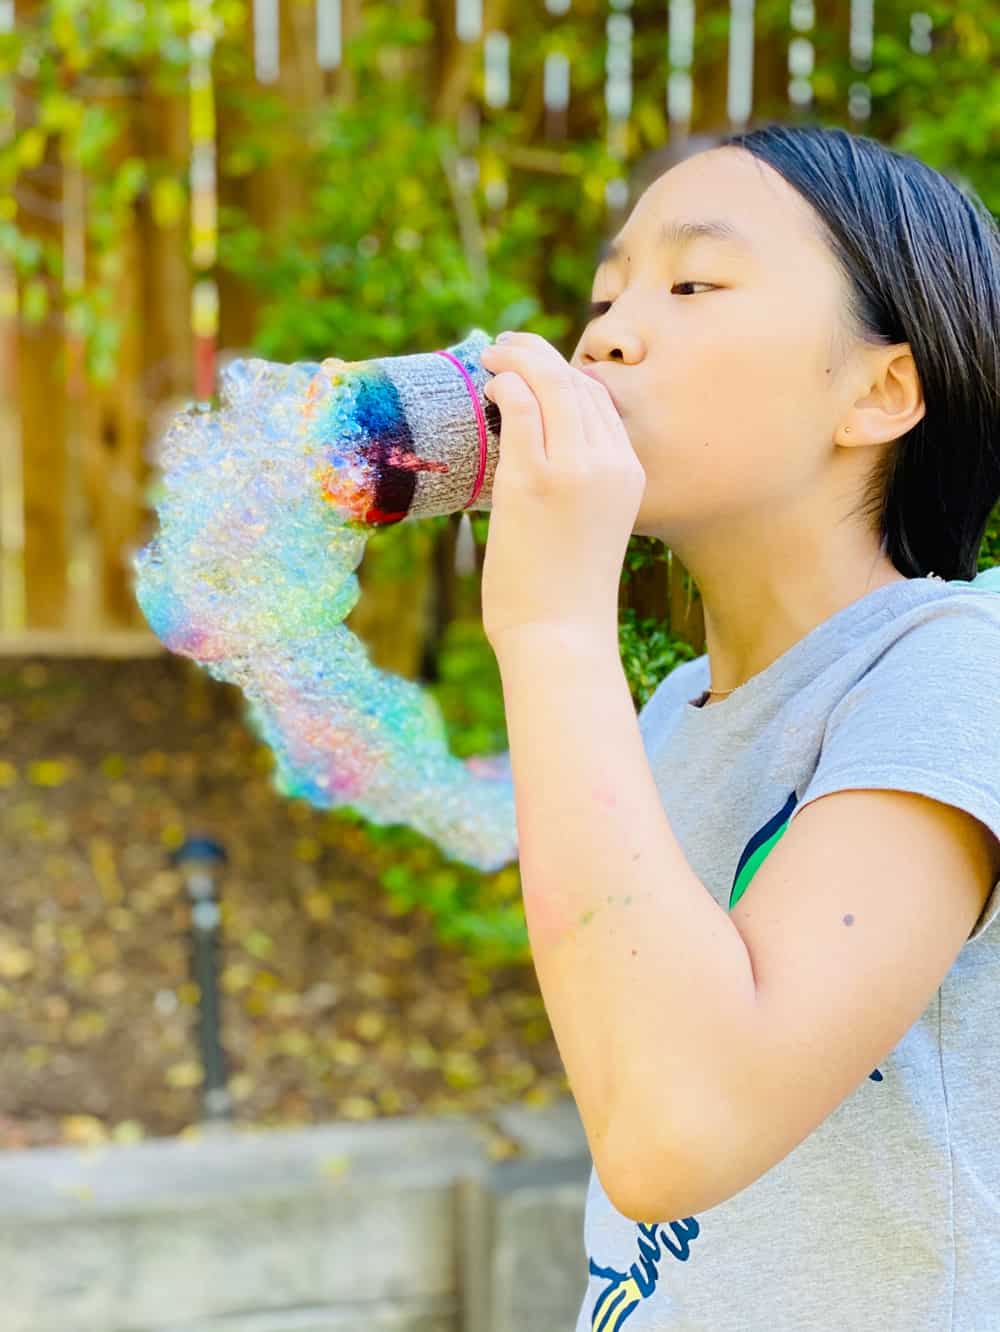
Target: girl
760,913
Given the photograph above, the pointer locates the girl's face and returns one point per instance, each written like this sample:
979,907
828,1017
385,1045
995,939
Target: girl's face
723,351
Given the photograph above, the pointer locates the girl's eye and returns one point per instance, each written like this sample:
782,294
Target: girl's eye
602,307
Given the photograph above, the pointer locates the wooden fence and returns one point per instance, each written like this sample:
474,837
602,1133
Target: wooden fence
74,469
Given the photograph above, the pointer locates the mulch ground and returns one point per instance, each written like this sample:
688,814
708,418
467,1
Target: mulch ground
334,1005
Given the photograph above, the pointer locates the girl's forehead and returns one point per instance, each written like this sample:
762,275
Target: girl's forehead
731,184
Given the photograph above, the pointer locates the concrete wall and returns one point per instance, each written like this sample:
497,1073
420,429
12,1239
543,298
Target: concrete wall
400,1225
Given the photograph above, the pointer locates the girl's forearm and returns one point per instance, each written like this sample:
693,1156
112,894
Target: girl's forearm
647,982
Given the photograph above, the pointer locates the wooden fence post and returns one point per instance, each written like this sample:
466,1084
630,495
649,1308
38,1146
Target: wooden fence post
116,415
41,377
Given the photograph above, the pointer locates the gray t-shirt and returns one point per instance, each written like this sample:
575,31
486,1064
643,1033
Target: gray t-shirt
888,1215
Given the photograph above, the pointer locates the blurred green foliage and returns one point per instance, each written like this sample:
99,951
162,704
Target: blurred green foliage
397,255
392,253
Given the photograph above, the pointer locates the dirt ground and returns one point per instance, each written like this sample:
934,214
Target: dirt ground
334,1006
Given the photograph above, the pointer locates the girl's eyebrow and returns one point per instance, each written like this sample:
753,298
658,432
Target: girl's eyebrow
680,232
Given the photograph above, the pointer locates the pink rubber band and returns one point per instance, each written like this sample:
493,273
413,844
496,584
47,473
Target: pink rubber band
480,422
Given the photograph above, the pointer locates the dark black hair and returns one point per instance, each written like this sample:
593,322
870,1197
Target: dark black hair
922,259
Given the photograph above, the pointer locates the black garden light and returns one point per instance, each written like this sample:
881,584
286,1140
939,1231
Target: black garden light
199,860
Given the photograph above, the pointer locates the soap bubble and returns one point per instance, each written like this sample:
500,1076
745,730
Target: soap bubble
265,506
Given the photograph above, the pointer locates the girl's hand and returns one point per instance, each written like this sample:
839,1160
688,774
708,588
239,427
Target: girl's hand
566,493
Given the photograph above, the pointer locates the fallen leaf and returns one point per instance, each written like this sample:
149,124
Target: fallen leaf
128,1131
370,1026
185,1074
357,1107
49,772
15,961
334,1165
102,862
83,1129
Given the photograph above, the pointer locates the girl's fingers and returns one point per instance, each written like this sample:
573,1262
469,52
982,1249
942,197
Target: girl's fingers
565,415
553,384
563,430
522,430
600,421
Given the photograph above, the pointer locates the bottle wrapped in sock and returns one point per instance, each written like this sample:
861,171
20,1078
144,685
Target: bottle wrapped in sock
265,506
406,436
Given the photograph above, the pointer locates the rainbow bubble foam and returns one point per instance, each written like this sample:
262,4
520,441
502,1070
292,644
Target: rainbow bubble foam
265,506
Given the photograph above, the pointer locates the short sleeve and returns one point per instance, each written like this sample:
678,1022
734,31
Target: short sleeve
925,717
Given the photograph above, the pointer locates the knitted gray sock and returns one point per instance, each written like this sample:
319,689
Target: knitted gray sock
405,434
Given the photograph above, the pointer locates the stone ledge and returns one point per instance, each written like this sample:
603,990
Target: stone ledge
171,1174
521,1245
399,1225
400,1316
